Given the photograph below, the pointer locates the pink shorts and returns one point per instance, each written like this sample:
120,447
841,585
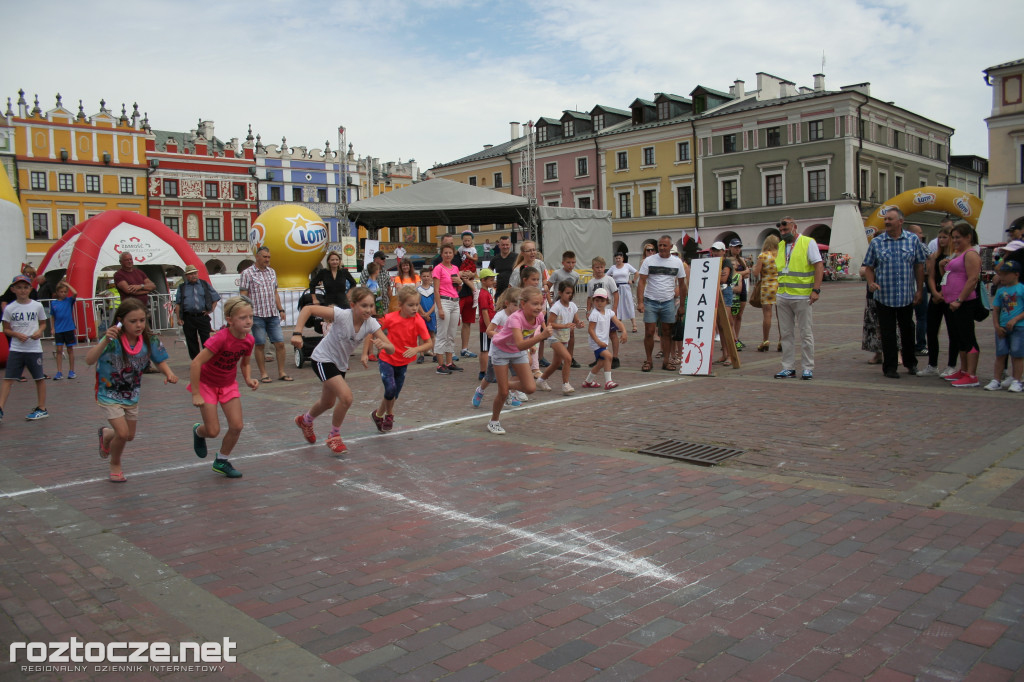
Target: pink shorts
218,394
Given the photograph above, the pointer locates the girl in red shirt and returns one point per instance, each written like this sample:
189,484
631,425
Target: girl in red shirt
404,328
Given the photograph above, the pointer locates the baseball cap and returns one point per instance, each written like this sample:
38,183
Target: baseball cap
487,272
26,280
1009,266
1015,245
1011,228
718,246
379,254
735,242
190,269
600,293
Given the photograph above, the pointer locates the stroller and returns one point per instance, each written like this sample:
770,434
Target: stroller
312,332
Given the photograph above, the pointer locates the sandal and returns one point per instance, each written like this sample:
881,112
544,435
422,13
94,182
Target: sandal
285,377
658,354
763,347
104,450
265,379
646,367
117,478
670,366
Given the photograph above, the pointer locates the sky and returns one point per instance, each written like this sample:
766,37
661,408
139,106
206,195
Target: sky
435,80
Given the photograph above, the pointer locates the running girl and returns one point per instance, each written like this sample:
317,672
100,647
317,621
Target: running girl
212,382
120,362
601,321
562,320
349,330
509,346
404,327
509,303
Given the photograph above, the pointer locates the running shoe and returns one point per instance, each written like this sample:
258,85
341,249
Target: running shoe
1016,387
993,385
520,396
478,396
808,375
955,376
389,422
929,371
949,370
335,444
543,385
377,421
420,360
544,362
786,374
480,376
58,376
455,368
591,384
615,363
576,365
441,369
966,381
38,413
198,444
1005,383
72,375
609,385
307,429
495,427
512,401
466,353
223,467
567,389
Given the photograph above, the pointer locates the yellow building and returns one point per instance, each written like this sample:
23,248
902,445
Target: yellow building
71,167
1004,196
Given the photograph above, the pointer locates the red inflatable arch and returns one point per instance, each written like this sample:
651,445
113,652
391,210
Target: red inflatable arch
98,242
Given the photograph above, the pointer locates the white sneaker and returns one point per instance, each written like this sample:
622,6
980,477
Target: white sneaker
543,385
993,385
946,372
520,396
1016,387
1005,383
567,389
929,371
495,427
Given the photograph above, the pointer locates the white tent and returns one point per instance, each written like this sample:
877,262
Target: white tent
439,202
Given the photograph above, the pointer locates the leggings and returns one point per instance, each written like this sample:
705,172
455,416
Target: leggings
962,323
936,313
393,377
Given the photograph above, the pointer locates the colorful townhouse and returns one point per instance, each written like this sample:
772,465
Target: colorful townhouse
204,189
69,166
1004,198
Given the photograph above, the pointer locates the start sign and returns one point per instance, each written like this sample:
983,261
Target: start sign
701,308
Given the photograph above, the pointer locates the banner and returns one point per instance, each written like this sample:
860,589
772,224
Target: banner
699,324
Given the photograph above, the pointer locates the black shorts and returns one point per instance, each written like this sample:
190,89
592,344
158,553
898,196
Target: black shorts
326,370
65,339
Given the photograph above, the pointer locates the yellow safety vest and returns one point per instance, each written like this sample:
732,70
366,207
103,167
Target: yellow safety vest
796,277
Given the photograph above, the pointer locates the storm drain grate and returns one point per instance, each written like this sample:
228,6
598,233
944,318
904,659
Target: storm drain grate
697,453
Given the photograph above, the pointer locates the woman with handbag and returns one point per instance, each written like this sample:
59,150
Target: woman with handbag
768,275
961,280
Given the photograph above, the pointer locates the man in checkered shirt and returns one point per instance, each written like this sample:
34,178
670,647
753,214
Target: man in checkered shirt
259,283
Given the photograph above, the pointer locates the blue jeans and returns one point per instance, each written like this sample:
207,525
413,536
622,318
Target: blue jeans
393,377
262,327
659,311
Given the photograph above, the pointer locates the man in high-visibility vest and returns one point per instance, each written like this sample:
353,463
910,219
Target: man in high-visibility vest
800,272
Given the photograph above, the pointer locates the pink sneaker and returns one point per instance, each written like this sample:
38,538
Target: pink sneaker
591,384
389,422
959,374
610,385
335,444
307,429
966,381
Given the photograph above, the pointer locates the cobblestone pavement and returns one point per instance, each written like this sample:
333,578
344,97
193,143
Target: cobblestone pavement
870,528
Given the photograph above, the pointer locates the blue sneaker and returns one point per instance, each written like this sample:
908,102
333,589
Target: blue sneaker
808,374
512,401
544,362
441,369
786,374
37,413
58,376
72,375
198,442
466,353
478,396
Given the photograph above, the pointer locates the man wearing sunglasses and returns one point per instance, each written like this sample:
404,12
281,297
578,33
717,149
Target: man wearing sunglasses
800,273
662,280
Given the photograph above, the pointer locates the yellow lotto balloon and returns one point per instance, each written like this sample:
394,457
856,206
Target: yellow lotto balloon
956,202
297,239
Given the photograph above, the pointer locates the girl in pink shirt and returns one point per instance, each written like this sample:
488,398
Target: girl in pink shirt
213,381
525,329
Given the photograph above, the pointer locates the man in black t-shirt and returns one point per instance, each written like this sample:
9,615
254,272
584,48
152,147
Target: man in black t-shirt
502,263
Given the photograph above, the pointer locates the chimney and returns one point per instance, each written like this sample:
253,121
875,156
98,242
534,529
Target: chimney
515,129
206,128
488,146
819,82
738,85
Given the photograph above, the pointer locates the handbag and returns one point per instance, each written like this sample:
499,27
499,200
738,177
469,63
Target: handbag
755,296
984,303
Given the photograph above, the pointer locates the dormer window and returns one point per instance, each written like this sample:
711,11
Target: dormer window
598,122
663,111
568,128
542,133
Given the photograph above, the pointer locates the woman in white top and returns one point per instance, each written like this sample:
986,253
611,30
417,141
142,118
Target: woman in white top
528,258
624,275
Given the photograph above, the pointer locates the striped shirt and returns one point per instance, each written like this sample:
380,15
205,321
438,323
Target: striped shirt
894,261
261,287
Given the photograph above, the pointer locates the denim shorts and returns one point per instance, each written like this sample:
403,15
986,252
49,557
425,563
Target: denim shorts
263,327
659,311
1012,344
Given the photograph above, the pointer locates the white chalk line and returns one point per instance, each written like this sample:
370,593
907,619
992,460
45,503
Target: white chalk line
573,547
358,439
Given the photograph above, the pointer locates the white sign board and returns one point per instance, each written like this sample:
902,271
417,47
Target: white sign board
370,247
701,307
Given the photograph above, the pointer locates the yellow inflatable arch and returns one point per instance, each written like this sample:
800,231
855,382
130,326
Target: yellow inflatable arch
956,202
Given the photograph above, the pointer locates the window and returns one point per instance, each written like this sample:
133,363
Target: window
773,190
127,185
92,183
899,184
940,153
238,192
210,190
684,197
621,161
321,195
683,151
729,143
883,184
663,111
816,130
648,156
568,128
773,137
583,202
650,202
67,221
625,205
730,198
213,229
66,182
296,194
880,135
423,234
38,179
555,202
40,226
551,171
472,181
542,133
498,181
581,167
865,183
920,146
598,121
816,189
241,229
897,139
275,194
174,223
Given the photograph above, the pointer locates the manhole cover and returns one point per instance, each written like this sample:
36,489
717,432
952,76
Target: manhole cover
697,453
